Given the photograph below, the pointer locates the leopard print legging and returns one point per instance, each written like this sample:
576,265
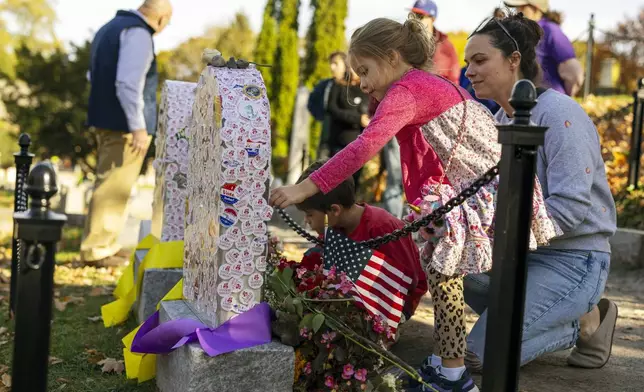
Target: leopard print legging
450,330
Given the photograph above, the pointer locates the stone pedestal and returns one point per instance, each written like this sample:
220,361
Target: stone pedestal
154,286
269,367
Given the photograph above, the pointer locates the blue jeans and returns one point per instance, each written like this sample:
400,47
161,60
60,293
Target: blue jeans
562,286
392,195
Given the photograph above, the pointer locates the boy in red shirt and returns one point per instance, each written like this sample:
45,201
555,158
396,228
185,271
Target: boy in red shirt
361,222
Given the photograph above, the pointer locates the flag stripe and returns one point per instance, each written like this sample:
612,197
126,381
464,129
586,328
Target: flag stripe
377,274
373,311
378,260
371,281
375,300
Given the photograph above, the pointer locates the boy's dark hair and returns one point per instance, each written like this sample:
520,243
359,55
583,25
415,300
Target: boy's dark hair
344,194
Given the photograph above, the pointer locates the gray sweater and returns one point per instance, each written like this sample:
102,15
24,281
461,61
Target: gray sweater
572,174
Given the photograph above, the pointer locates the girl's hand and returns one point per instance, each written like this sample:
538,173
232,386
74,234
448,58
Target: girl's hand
364,120
285,196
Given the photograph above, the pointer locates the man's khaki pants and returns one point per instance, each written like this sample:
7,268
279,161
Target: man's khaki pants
117,170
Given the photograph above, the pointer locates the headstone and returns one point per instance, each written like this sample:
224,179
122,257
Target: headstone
226,227
225,237
171,160
299,148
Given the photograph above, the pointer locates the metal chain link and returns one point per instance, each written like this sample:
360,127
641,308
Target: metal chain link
409,228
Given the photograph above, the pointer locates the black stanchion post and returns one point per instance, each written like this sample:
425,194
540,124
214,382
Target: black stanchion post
38,229
635,155
517,168
23,161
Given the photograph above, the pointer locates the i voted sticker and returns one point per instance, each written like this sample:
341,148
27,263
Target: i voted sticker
227,303
243,202
248,267
236,285
259,228
258,188
239,141
224,271
259,162
248,110
255,134
253,148
242,191
234,233
260,263
226,134
242,173
245,255
236,270
244,241
224,242
232,256
240,308
245,213
247,227
255,280
266,213
229,175
258,246
224,289
260,175
246,297
258,203
228,217
229,194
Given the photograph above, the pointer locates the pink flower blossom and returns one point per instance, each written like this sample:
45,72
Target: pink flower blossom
378,326
345,283
391,334
329,382
347,371
307,368
332,273
300,272
361,375
327,337
304,332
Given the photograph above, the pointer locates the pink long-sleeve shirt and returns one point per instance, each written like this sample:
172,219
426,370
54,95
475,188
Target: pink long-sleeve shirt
417,99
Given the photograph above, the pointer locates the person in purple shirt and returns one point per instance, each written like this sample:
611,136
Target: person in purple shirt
561,69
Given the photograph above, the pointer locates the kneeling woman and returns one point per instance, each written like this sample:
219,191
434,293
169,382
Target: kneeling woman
566,279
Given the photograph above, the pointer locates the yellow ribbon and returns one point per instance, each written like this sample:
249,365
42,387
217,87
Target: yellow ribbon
143,366
160,255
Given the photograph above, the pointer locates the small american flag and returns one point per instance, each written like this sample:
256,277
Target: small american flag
378,285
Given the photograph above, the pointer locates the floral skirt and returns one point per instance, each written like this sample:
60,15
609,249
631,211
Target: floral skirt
461,244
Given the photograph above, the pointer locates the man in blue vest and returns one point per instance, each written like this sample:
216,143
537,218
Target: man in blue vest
122,112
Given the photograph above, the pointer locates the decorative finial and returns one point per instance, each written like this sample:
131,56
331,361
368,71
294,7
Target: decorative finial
523,99
24,141
41,185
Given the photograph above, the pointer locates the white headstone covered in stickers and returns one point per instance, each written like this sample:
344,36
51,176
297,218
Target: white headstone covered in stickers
171,160
226,227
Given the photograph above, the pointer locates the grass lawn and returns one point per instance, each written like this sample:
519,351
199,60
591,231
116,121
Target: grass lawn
78,338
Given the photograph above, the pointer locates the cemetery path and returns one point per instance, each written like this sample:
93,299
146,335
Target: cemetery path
622,373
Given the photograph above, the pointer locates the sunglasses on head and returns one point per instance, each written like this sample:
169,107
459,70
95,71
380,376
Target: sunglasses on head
492,18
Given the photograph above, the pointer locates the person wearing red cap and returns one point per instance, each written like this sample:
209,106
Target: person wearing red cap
446,62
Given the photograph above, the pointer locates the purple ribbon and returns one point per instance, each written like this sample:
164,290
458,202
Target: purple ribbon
249,329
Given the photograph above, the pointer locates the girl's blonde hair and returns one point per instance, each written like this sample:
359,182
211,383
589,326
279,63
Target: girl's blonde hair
381,36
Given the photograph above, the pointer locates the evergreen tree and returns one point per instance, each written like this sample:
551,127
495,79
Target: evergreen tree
285,83
326,35
266,45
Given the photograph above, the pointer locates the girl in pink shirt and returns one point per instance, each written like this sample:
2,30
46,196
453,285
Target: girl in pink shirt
447,141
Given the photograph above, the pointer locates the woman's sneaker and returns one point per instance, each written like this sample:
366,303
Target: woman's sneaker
438,383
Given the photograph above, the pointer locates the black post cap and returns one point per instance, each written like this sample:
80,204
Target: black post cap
41,185
523,99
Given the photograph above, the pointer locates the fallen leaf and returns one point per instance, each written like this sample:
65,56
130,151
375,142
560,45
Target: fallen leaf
55,361
60,305
94,356
112,365
3,330
95,319
4,368
3,342
632,338
62,380
6,380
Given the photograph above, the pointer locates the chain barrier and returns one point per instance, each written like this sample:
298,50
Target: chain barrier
409,228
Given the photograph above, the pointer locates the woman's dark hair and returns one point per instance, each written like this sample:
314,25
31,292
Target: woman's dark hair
516,33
